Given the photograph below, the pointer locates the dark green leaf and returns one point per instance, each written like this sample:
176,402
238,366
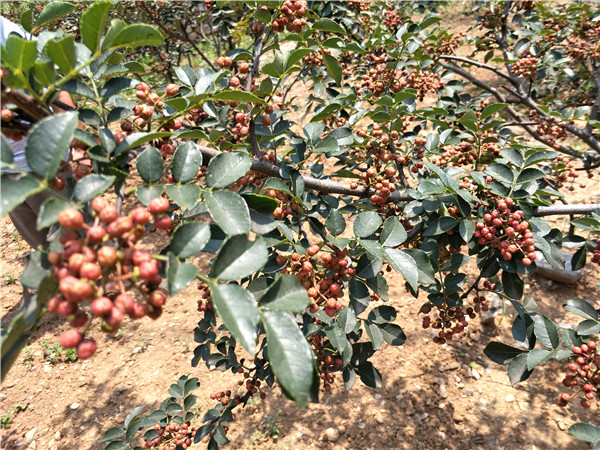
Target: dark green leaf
135,412
500,172
382,314
501,353
359,295
392,334
393,233
529,174
369,375
186,195
326,145
187,160
16,191
517,369
404,264
139,138
327,25
579,258
179,274
239,257
48,142
63,53
290,355
91,25
18,53
92,185
537,356
466,229
237,308
285,294
334,70
374,334
150,165
545,331
226,168
366,223
439,226
117,445
137,35
52,11
585,432
588,327
229,211
6,155
582,308
512,285
189,238
335,223
491,109
112,434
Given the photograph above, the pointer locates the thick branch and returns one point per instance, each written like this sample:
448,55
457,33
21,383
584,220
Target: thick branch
556,210
26,103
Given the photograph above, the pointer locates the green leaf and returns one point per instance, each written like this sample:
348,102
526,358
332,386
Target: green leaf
239,257
517,369
226,168
277,184
186,195
146,194
117,445
366,223
424,267
335,223
334,70
16,191
49,211
545,331
229,211
6,155
439,226
369,375
327,25
238,96
137,35
588,327
139,138
291,357
374,334
150,165
585,432
179,274
52,11
48,142
500,172
63,53
359,295
501,353
393,233
112,434
92,23
285,294
382,314
543,155
466,229
537,356
92,185
187,160
582,308
404,264
313,131
326,145
237,308
18,53
189,238
512,285
530,174
392,334
491,109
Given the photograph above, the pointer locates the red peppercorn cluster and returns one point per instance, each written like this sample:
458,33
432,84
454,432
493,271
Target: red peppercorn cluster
467,153
391,19
563,171
507,231
322,277
583,376
144,111
205,303
451,320
327,361
96,267
287,205
525,66
596,253
171,436
291,16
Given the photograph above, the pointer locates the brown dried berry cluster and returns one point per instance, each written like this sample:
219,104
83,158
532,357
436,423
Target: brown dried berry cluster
583,376
95,268
467,153
507,231
451,320
171,436
287,205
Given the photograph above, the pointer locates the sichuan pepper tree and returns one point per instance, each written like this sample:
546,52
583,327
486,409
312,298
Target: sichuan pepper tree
404,161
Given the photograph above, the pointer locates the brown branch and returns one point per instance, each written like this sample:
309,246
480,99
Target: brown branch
26,103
